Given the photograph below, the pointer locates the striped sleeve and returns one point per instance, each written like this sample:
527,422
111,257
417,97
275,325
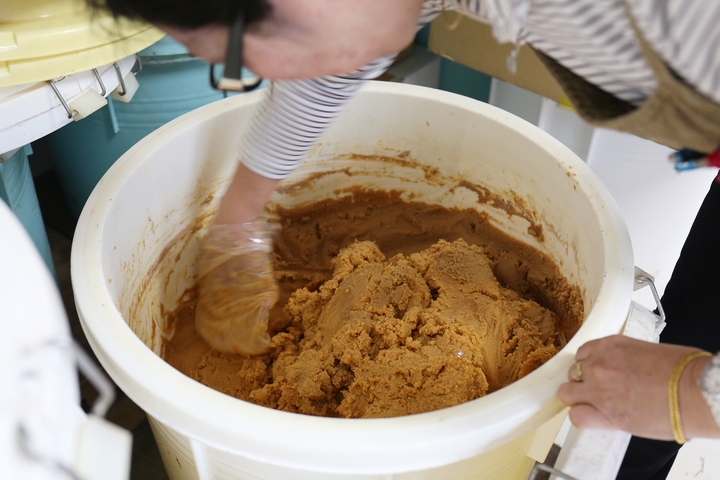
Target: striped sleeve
686,34
295,113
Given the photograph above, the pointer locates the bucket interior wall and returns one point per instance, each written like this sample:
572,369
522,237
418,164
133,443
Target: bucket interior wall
453,146
434,143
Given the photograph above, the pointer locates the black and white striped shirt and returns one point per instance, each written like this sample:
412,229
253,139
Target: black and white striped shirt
593,38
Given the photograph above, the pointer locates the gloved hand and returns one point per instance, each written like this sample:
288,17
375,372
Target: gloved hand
236,287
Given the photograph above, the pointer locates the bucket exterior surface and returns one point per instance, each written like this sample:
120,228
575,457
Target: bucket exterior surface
39,394
150,197
172,83
18,191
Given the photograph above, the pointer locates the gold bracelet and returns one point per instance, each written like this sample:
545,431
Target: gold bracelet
673,384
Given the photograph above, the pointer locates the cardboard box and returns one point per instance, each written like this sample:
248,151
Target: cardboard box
420,68
471,43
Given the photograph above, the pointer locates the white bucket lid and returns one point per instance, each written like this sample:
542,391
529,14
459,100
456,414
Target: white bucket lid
44,39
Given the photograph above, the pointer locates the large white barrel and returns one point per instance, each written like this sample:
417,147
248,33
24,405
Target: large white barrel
156,190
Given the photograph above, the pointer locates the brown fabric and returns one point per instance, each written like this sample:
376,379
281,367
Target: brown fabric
674,114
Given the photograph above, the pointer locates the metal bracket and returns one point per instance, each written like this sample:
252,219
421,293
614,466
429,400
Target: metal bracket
138,61
541,467
70,113
642,279
99,80
127,85
123,89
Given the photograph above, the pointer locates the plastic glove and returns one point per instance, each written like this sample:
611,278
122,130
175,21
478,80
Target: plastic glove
236,287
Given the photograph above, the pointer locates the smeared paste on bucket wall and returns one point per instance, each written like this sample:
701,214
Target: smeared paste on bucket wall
398,326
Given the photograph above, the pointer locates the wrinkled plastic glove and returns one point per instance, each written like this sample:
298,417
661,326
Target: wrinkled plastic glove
237,287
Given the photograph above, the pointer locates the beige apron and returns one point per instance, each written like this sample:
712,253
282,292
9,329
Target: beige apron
674,114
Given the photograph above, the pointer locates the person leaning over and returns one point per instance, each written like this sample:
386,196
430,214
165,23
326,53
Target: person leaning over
641,66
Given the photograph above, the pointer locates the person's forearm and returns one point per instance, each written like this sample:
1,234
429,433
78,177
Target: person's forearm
290,121
245,198
624,385
697,418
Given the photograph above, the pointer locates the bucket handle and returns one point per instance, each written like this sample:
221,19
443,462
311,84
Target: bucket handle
642,279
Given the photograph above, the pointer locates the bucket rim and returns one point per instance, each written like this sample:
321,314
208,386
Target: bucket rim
265,430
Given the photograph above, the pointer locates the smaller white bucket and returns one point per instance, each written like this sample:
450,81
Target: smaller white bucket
151,196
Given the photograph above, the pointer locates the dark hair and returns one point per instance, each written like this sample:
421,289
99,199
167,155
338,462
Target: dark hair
185,13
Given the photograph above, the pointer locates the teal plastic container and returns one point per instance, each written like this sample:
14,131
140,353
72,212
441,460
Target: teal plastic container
172,82
17,190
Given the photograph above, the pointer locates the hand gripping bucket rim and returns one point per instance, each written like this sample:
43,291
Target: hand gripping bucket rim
357,446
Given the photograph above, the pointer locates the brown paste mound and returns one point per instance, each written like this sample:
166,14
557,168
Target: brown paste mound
355,334
410,335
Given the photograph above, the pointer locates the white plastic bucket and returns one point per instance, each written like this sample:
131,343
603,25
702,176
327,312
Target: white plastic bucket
153,193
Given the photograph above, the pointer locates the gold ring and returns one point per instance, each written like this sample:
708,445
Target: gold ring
576,372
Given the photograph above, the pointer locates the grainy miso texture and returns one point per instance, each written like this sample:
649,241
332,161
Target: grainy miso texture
390,308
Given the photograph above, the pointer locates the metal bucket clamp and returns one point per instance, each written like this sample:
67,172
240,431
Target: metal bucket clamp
71,113
123,89
643,279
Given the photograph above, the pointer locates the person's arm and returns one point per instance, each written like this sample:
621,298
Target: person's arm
288,124
625,387
245,198
236,285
